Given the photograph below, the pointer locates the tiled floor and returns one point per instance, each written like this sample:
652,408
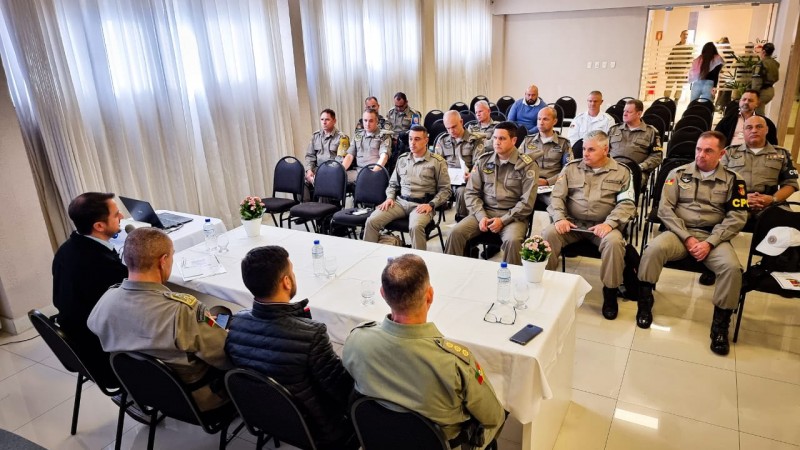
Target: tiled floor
660,388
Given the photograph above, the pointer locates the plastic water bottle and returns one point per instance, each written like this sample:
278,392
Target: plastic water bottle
503,283
211,235
318,257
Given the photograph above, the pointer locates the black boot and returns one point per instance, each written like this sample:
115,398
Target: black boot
644,313
708,278
610,307
719,331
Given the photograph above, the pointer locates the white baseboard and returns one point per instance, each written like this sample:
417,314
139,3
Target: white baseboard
21,324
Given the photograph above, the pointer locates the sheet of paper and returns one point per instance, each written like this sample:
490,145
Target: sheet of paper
544,189
457,175
788,280
202,266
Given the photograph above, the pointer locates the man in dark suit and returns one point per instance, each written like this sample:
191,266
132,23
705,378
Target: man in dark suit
84,267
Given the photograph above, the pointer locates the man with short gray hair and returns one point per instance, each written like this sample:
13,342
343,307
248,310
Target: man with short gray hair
483,123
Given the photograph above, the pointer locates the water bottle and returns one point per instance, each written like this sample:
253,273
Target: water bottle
211,235
503,283
318,257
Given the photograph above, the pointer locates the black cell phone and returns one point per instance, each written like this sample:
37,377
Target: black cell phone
525,335
222,320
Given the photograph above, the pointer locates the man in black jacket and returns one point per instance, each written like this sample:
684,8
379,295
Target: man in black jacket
278,339
84,267
732,125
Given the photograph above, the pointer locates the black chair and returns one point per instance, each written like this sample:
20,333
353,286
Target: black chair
693,121
504,104
621,102
493,107
401,226
521,133
61,346
663,112
476,99
577,149
559,116
658,123
757,277
569,106
432,116
459,106
380,428
615,111
436,130
498,116
330,185
698,110
667,103
731,108
691,134
467,116
155,388
706,103
370,192
289,178
268,409
681,150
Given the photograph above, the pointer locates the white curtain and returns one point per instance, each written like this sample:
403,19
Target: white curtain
463,36
176,102
357,48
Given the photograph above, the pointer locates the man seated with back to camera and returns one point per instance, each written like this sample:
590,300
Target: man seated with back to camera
143,315
389,361
279,339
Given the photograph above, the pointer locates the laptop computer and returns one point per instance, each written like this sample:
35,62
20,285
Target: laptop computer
142,211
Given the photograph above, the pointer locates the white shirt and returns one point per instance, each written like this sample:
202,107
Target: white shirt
584,123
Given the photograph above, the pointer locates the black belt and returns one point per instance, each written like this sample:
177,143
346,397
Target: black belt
706,229
426,199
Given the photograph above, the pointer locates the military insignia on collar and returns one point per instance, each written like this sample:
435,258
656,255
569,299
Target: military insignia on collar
686,177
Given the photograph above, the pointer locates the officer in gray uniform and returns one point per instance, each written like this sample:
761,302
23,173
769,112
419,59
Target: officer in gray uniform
402,117
371,103
635,140
456,146
550,151
594,198
499,196
389,361
143,315
703,206
423,183
766,169
484,124
370,145
324,144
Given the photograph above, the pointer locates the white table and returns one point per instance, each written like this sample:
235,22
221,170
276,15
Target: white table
533,382
189,235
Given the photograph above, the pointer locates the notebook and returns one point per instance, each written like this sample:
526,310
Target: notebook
142,211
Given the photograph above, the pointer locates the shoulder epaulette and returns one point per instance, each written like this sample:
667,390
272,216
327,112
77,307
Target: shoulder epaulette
436,156
574,161
367,324
387,132
526,158
486,154
459,350
187,299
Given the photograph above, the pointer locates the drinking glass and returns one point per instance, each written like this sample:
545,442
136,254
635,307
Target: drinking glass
330,266
222,243
367,293
521,294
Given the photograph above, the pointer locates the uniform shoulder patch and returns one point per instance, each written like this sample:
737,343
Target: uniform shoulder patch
459,350
738,199
525,157
186,299
435,156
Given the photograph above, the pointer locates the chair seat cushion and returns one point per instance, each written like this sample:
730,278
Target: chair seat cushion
346,217
313,210
277,205
486,238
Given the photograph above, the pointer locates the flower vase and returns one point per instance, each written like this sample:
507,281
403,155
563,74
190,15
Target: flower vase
252,227
534,271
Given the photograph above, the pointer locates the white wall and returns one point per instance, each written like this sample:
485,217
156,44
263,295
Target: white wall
551,50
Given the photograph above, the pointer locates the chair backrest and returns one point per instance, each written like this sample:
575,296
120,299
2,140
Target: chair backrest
58,342
289,177
559,114
706,103
621,102
692,121
153,385
493,107
498,116
663,172
267,407
436,130
476,99
616,112
681,150
331,181
577,149
658,109
667,103
371,186
381,428
688,133
773,216
658,123
432,116
459,106
698,110
467,116
569,106
504,103
731,108
521,133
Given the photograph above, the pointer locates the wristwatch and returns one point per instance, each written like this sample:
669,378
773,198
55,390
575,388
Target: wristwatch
432,205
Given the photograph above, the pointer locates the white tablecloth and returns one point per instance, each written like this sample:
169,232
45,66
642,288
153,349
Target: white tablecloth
189,235
464,289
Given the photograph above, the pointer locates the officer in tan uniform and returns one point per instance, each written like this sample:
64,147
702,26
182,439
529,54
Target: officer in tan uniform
456,146
499,196
402,116
324,144
142,314
423,183
635,140
765,75
389,360
484,124
550,151
703,206
593,199
370,145
767,170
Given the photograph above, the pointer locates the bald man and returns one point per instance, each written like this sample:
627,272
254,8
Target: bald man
525,111
459,148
